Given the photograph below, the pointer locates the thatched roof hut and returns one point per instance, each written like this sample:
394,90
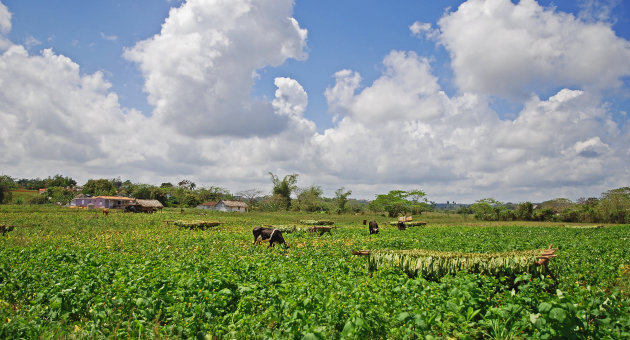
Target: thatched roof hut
150,204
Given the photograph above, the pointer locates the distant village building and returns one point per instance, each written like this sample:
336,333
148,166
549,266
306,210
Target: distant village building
223,205
148,205
231,206
110,202
207,206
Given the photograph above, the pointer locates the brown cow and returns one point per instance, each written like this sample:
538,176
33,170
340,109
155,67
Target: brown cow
373,227
105,212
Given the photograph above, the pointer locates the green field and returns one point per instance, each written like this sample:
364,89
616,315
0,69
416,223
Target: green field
77,274
23,196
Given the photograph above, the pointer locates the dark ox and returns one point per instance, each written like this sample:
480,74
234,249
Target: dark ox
401,225
5,229
274,236
373,227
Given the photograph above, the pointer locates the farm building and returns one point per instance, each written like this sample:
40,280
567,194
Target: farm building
100,201
149,205
231,206
207,205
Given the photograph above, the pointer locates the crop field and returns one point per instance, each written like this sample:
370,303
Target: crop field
69,273
23,195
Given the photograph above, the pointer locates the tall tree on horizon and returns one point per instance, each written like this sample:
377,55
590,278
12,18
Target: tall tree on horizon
283,188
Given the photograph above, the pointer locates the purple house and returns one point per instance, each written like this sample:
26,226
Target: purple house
100,201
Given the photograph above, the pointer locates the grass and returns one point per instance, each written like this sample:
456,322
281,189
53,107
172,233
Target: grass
23,196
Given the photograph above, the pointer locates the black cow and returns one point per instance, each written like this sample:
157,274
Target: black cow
373,227
5,229
401,225
274,236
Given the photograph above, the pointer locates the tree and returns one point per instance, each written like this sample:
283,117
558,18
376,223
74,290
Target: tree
213,193
158,194
525,211
142,191
416,195
190,185
309,199
395,203
250,195
59,181
486,209
191,200
118,183
54,195
99,187
615,205
283,188
341,198
419,201
6,185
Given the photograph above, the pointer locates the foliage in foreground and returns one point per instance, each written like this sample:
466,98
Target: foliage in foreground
69,274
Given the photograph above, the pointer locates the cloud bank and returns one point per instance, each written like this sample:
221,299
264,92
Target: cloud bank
402,131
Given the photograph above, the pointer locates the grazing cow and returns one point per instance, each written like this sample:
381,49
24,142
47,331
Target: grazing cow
274,236
401,225
373,227
105,212
4,229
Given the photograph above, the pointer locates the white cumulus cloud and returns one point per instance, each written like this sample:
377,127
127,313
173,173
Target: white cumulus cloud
201,67
502,48
406,91
424,30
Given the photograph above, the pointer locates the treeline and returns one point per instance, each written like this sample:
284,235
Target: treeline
612,207
307,199
61,190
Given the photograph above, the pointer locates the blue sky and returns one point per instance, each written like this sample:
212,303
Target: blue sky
357,69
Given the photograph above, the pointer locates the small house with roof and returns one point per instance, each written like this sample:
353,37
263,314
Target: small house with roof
231,206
